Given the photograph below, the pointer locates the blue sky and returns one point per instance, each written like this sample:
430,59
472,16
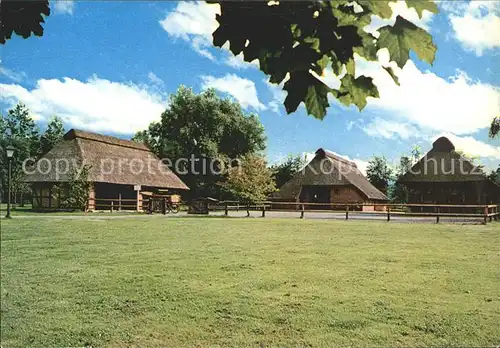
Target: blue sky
110,66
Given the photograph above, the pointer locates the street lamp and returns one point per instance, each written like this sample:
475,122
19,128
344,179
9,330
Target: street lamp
10,153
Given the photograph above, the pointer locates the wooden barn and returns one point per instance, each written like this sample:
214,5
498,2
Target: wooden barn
443,176
119,171
329,179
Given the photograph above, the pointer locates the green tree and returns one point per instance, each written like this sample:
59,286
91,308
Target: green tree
398,192
283,172
22,18
202,128
379,173
295,41
18,129
495,127
495,175
53,134
75,194
250,181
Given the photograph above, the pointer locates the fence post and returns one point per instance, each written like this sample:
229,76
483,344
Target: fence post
238,206
388,213
164,207
437,215
112,206
302,211
225,209
347,212
119,202
248,209
264,210
485,214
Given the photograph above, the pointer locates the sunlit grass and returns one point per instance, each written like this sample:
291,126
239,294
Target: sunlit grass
247,282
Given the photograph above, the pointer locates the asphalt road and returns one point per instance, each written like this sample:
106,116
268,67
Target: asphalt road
255,214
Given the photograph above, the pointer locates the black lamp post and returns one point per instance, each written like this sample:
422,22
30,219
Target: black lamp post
10,154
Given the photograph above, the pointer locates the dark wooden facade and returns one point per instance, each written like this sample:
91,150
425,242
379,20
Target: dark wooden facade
330,179
443,176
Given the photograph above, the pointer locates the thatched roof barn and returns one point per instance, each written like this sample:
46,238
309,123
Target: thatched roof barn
117,167
328,178
444,176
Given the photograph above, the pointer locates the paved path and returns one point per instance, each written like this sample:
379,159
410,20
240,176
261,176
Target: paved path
253,214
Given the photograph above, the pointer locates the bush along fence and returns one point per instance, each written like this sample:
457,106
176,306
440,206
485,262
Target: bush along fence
486,213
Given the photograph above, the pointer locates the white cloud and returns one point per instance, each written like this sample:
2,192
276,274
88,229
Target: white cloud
243,90
11,74
457,104
64,6
155,79
96,104
380,128
472,147
278,96
476,24
360,164
399,8
194,22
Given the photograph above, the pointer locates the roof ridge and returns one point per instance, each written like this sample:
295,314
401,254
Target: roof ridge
106,139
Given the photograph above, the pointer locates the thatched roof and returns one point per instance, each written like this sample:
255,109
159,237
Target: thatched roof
111,160
443,164
328,169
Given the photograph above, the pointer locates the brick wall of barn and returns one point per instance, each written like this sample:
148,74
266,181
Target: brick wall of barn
345,194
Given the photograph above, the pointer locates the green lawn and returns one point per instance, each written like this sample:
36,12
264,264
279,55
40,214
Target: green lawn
203,282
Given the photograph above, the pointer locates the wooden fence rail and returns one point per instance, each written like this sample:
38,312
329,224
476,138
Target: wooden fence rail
484,212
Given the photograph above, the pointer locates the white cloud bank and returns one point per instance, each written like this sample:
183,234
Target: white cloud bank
472,147
400,8
96,104
457,104
243,90
476,24
193,22
63,6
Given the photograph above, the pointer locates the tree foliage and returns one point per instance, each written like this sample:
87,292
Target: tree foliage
295,41
53,134
204,127
18,129
495,175
398,192
74,195
495,127
22,17
379,173
250,181
283,172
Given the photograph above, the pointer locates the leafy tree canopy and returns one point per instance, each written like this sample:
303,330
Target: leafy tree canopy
203,126
251,181
495,127
283,172
18,129
53,133
379,173
22,17
295,41
495,175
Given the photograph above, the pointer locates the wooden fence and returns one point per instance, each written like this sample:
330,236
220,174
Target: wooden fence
115,204
484,212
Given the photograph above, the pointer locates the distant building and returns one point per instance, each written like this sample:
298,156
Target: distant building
443,176
119,170
329,178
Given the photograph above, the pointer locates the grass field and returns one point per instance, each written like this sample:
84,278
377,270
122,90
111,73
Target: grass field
202,282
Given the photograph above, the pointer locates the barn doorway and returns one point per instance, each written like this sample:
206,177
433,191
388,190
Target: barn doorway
316,194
